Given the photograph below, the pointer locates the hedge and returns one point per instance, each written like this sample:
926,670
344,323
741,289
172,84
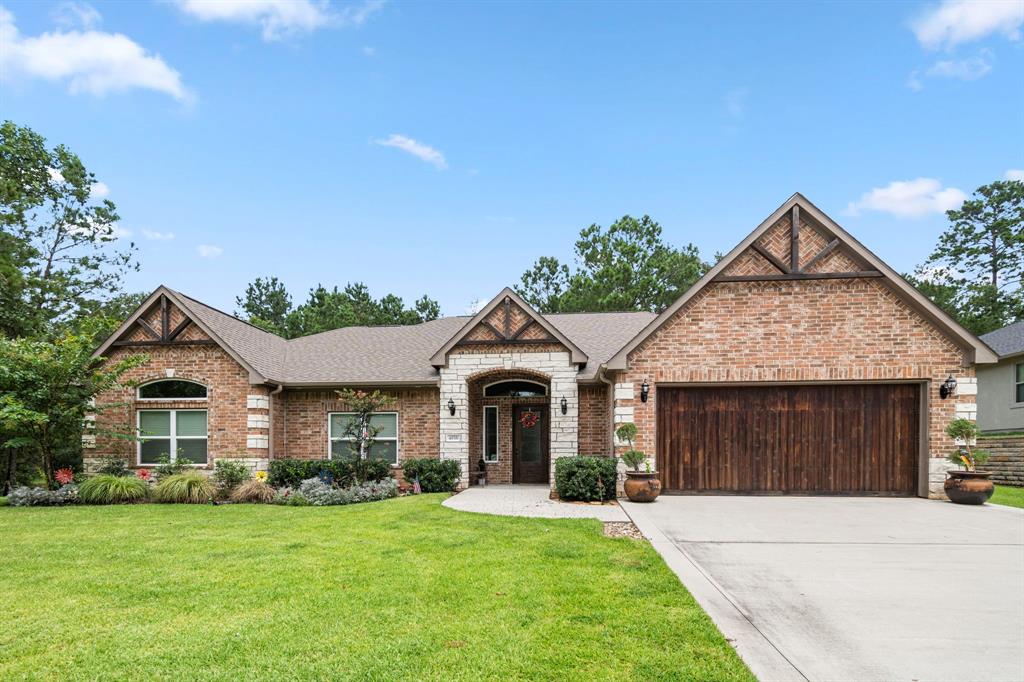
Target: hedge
586,478
340,472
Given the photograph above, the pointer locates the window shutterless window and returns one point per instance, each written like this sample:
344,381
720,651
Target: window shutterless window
1019,382
490,433
172,389
178,434
385,445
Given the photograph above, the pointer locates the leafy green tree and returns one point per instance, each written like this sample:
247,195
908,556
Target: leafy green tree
627,266
266,304
976,272
46,389
58,238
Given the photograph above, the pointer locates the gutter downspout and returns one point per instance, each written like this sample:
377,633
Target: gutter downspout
270,422
611,405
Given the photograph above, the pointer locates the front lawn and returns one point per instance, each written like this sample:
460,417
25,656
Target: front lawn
1009,496
398,589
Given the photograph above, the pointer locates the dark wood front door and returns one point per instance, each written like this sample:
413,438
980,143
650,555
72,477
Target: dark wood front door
838,439
529,444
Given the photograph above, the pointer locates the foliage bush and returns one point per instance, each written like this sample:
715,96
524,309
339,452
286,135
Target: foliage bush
252,491
113,465
190,487
228,475
435,475
290,497
341,472
110,489
165,467
41,497
585,478
320,494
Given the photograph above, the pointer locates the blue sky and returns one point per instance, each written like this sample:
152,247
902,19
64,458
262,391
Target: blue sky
441,148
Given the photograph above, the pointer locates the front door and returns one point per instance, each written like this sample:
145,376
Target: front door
530,444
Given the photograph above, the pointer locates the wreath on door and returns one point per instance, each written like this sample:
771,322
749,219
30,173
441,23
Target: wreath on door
529,419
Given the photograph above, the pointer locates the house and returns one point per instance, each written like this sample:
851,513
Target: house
800,363
1001,385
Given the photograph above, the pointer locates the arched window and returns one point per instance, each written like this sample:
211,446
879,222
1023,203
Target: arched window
515,388
172,389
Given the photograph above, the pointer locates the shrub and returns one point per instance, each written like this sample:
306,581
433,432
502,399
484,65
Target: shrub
190,487
435,475
965,455
320,494
113,465
585,478
110,489
227,475
341,472
292,498
41,497
252,491
165,467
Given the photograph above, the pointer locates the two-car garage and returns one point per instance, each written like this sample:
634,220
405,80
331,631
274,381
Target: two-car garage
855,439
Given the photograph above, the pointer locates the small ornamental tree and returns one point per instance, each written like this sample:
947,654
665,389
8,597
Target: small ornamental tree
965,431
359,429
632,457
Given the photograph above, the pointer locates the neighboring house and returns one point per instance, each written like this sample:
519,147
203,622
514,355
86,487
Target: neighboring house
1001,386
800,363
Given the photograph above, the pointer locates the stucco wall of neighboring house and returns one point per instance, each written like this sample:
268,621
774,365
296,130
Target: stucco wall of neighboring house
305,422
998,409
799,331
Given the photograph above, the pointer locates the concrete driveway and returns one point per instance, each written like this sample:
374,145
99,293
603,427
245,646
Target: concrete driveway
822,588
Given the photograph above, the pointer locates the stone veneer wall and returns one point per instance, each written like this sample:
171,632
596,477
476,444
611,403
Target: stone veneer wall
465,367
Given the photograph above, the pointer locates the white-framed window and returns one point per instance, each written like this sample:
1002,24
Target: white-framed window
385,444
490,434
515,388
1018,384
172,389
177,434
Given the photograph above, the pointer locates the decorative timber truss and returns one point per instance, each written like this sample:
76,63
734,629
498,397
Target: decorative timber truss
159,332
508,324
793,269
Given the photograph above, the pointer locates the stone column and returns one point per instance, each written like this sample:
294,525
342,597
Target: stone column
455,428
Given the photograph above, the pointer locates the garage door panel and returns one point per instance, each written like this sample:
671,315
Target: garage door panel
854,438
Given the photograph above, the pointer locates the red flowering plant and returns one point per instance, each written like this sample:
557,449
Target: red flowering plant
144,474
64,476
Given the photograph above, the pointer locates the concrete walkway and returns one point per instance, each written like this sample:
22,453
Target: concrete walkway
814,588
529,500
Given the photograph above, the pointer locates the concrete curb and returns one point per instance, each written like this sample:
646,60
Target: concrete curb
764,660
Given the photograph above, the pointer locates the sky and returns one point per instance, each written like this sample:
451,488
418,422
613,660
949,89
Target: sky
441,148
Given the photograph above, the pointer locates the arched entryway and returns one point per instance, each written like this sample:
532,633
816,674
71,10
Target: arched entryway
510,426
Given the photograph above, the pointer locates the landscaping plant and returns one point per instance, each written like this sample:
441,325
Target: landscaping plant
253,490
190,487
632,457
341,472
966,456
435,475
41,497
585,478
320,494
110,489
114,465
228,475
360,430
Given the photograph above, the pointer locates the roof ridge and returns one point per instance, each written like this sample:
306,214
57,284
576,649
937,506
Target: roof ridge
233,317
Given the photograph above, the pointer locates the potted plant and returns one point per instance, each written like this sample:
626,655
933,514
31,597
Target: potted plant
640,486
967,485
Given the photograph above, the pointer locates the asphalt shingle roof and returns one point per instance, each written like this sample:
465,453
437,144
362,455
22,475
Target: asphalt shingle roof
367,355
1006,341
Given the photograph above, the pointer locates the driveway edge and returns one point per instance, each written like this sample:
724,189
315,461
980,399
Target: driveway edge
764,660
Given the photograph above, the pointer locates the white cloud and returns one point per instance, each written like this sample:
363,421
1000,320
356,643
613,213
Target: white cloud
76,15
914,82
969,69
153,235
369,51
909,198
279,19
208,251
954,22
89,61
1015,174
99,190
417,149
119,232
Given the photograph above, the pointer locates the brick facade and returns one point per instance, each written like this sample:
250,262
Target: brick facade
595,424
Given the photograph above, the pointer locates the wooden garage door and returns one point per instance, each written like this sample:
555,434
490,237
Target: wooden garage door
856,439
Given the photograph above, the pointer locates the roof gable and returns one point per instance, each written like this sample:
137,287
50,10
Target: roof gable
508,319
1008,341
820,249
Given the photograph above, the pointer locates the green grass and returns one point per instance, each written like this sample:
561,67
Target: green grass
1009,496
400,589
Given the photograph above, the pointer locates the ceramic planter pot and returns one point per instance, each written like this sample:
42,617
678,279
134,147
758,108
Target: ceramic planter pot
642,486
968,487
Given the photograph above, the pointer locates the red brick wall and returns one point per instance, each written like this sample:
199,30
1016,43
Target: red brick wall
810,330
500,471
595,421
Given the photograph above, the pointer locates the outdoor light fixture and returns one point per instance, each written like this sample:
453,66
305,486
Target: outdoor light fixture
565,405
451,406
645,389
948,387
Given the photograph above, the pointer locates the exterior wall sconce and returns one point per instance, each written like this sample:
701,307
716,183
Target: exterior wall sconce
645,390
451,407
565,405
948,387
